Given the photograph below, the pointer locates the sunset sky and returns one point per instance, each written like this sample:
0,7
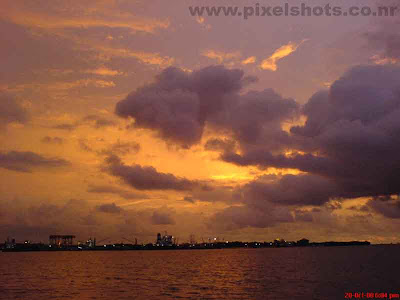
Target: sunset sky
124,118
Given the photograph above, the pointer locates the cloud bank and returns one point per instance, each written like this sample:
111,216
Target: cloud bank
347,147
146,178
27,161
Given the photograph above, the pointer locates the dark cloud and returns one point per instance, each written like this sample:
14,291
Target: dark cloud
212,192
221,145
24,230
289,189
91,120
347,148
27,161
255,120
52,140
178,104
385,36
351,138
108,189
188,199
265,158
266,201
172,114
162,217
355,128
146,178
38,221
387,42
98,122
10,110
389,208
118,148
122,148
110,208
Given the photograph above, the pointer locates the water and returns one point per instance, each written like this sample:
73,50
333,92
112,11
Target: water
283,273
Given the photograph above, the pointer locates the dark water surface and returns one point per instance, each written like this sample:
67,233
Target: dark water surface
277,273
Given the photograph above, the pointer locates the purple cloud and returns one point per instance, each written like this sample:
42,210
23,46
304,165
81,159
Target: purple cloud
146,178
11,111
27,161
111,208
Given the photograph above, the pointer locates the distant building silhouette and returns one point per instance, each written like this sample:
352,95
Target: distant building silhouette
61,240
166,240
303,242
279,243
10,244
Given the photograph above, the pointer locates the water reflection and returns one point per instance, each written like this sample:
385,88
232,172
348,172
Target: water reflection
290,273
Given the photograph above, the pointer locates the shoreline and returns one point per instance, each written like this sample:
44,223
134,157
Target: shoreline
151,247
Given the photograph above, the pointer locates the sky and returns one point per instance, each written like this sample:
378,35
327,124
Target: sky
120,119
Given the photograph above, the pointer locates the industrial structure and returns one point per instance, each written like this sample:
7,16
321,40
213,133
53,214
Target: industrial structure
9,243
91,243
61,240
165,240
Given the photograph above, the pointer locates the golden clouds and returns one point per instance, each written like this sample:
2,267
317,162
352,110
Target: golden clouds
67,85
80,24
379,60
281,52
249,60
102,71
30,20
221,56
144,57
202,22
60,19
270,63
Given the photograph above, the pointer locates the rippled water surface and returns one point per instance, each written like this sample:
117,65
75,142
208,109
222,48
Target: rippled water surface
280,273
